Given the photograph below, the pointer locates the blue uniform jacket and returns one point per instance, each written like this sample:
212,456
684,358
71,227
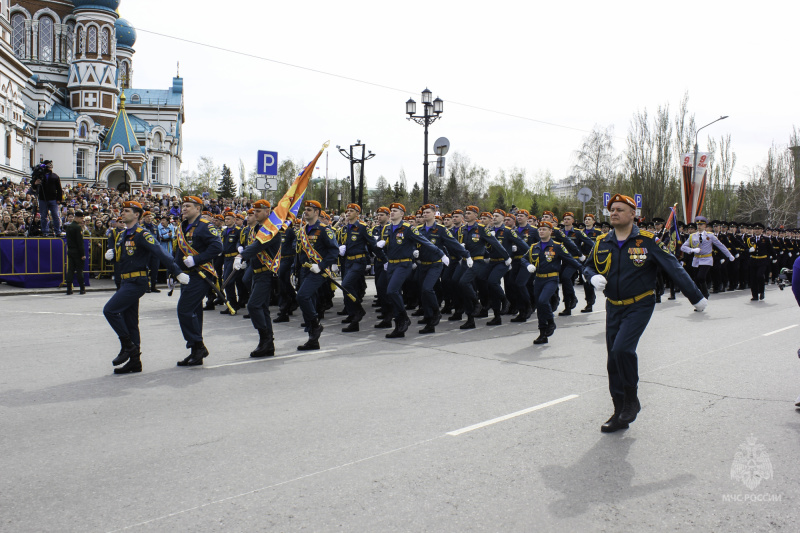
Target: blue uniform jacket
508,238
631,268
230,241
250,253
358,241
548,257
440,237
583,243
475,238
321,238
134,248
204,237
401,241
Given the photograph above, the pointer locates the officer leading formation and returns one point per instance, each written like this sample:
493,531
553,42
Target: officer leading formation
428,265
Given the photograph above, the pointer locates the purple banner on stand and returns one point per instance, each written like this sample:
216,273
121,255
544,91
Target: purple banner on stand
35,262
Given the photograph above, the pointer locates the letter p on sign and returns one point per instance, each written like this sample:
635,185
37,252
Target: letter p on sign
267,163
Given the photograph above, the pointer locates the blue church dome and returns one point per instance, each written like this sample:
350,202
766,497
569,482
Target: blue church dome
126,34
106,5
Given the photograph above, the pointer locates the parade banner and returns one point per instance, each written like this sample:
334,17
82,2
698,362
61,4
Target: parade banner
291,203
693,190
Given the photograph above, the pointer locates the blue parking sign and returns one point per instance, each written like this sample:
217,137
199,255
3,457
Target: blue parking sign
638,199
267,164
606,198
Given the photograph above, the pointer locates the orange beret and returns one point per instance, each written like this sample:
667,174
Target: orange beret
133,205
547,223
428,206
251,211
354,206
621,198
549,213
498,210
523,212
589,215
313,203
486,214
473,208
458,212
568,214
383,209
192,200
397,205
261,204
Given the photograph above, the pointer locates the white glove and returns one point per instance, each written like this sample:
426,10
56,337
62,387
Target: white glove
240,249
774,260
701,305
737,255
413,266
109,254
695,250
189,261
463,245
342,249
752,249
183,278
582,258
334,268
531,269
381,244
315,268
599,282
237,263
170,283
446,260
386,266
781,253
376,237
721,261
513,247
415,254
508,262
469,262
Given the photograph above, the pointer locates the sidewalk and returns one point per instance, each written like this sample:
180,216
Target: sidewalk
97,285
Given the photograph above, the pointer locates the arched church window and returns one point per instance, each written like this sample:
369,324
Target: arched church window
18,34
45,39
70,41
135,99
83,132
117,152
123,75
91,38
81,41
104,38
157,141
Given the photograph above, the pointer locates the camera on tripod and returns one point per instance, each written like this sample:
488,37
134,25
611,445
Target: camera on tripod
784,278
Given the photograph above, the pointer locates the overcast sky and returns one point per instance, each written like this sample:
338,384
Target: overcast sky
576,64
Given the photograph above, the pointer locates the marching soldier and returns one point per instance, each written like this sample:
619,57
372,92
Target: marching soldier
356,245
431,265
520,275
499,265
628,256
150,225
76,253
199,243
545,259
381,219
287,301
568,272
263,254
592,233
317,250
700,244
133,250
230,249
398,239
761,253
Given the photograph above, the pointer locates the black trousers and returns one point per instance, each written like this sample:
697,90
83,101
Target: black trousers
758,268
624,326
74,267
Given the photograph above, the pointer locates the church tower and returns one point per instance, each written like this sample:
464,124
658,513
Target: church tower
92,84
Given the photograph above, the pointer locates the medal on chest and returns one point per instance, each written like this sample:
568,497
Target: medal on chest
130,247
549,254
399,237
637,255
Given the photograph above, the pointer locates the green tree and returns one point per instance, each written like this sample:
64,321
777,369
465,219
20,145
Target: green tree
227,187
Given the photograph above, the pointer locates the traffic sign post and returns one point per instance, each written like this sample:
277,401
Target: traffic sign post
606,199
584,195
267,184
638,199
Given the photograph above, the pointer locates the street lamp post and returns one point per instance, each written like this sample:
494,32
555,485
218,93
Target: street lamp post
432,110
339,207
694,166
358,158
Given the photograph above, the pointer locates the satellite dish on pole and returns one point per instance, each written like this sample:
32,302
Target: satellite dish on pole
441,146
585,194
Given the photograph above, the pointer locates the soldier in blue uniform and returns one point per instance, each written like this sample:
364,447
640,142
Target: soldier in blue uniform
316,246
113,232
264,257
133,249
150,226
624,264
381,219
355,246
500,262
431,265
474,237
199,243
519,274
398,239
592,233
451,301
287,297
230,249
545,259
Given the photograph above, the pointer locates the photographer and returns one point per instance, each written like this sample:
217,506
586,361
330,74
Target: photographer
47,186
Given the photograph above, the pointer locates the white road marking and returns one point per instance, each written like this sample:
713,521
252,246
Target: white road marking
57,313
779,330
262,359
512,415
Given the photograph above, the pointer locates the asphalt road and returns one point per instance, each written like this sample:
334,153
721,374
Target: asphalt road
457,431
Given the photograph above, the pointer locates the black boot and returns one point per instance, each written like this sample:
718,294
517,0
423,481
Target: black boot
433,322
83,289
153,288
469,324
542,338
630,406
315,330
455,317
483,313
587,309
427,329
521,317
347,320
69,289
567,310
266,347
209,306
384,324
127,351
280,318
353,326
402,323
551,327
496,321
613,424
199,351
309,345
133,365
